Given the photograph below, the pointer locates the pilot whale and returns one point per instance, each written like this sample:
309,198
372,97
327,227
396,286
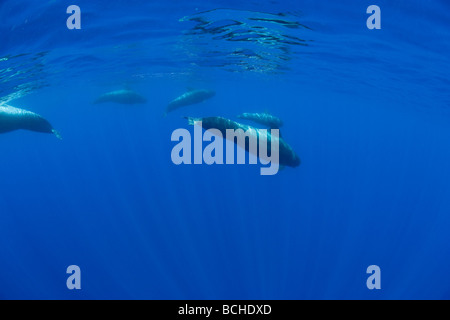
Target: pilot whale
266,119
193,96
287,156
122,97
12,119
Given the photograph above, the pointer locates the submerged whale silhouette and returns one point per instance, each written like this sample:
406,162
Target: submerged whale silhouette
191,97
287,155
122,97
12,119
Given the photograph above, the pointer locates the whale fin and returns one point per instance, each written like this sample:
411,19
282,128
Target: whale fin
190,89
191,121
57,134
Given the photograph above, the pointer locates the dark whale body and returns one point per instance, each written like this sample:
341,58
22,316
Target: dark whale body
288,157
12,119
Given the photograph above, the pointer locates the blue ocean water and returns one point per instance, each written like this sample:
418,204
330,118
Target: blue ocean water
367,111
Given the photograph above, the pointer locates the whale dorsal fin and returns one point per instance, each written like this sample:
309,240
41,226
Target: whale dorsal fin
190,88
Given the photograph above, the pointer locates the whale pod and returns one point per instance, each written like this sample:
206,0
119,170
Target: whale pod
287,156
193,96
12,119
122,97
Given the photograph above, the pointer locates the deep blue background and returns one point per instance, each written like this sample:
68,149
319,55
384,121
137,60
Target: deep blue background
366,110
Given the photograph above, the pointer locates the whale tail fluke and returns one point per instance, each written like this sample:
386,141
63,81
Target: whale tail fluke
57,134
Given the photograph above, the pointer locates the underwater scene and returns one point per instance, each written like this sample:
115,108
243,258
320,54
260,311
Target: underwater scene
223,149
